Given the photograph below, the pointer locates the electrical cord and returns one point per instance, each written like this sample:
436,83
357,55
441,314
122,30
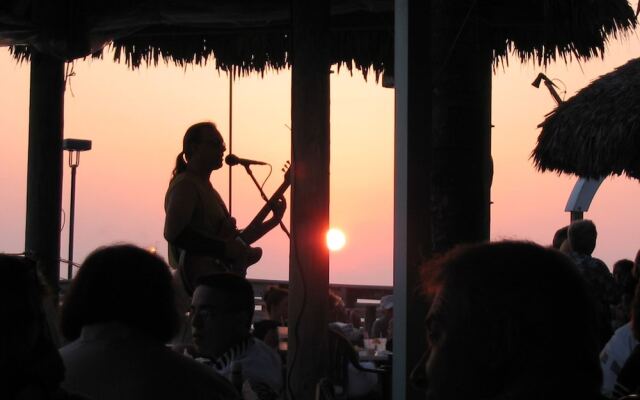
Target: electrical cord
564,90
268,175
296,330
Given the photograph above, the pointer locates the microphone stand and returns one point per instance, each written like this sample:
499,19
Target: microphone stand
264,196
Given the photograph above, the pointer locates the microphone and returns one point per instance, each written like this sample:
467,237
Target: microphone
232,160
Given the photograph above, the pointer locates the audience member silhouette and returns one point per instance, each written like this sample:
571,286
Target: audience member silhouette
276,301
222,309
628,377
380,327
623,276
30,366
560,237
509,320
119,313
582,238
340,321
614,355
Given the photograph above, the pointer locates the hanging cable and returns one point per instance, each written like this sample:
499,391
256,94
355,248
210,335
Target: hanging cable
453,44
231,136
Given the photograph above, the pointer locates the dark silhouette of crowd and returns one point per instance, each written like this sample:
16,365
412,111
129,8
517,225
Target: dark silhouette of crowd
507,320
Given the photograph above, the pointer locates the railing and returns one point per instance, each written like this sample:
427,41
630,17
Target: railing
363,299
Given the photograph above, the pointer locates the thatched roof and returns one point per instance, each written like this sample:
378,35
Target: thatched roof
543,30
247,35
254,35
596,132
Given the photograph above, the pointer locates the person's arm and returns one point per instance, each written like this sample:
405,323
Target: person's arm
257,229
179,207
196,243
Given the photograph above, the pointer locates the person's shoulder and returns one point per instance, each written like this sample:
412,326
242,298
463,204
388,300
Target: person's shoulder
189,371
259,347
183,180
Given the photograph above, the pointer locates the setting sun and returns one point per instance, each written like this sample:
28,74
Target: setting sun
335,239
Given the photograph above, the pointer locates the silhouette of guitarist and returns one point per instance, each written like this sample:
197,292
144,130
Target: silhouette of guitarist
202,235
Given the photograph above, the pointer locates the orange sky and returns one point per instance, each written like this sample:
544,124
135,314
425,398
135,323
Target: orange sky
136,120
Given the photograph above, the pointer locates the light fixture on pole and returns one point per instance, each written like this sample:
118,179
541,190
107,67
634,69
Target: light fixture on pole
74,147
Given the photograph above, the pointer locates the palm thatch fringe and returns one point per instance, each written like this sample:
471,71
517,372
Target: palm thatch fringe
243,53
596,132
545,30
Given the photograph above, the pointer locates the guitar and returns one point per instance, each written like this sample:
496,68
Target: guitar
267,208
193,266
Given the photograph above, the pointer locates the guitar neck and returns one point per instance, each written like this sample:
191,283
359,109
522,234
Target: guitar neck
266,209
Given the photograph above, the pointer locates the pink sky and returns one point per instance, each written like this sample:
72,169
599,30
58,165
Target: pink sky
136,120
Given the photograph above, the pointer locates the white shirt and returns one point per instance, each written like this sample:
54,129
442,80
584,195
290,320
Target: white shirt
614,355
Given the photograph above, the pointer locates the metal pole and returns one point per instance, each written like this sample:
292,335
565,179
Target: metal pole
230,134
576,216
72,207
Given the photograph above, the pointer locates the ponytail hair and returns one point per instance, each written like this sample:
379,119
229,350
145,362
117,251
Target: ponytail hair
192,136
181,165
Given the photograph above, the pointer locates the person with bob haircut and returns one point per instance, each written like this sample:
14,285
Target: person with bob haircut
508,320
119,313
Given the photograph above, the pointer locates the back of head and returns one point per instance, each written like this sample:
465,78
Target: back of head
273,296
122,283
192,137
559,237
524,306
237,291
337,311
623,275
582,236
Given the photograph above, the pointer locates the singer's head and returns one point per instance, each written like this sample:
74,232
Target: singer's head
202,149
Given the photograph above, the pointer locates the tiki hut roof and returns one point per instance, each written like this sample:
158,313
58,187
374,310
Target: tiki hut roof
254,35
246,35
543,30
596,132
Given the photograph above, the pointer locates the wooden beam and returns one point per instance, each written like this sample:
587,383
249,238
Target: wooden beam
44,171
462,166
309,257
412,214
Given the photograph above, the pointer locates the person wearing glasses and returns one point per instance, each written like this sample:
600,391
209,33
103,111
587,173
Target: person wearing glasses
221,313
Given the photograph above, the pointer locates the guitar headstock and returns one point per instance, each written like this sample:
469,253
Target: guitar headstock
286,169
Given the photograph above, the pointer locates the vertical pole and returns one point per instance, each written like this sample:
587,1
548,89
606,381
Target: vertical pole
72,207
230,135
462,166
576,216
309,256
44,171
412,211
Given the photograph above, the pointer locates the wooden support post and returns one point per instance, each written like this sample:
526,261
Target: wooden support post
309,257
462,166
412,224
44,172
